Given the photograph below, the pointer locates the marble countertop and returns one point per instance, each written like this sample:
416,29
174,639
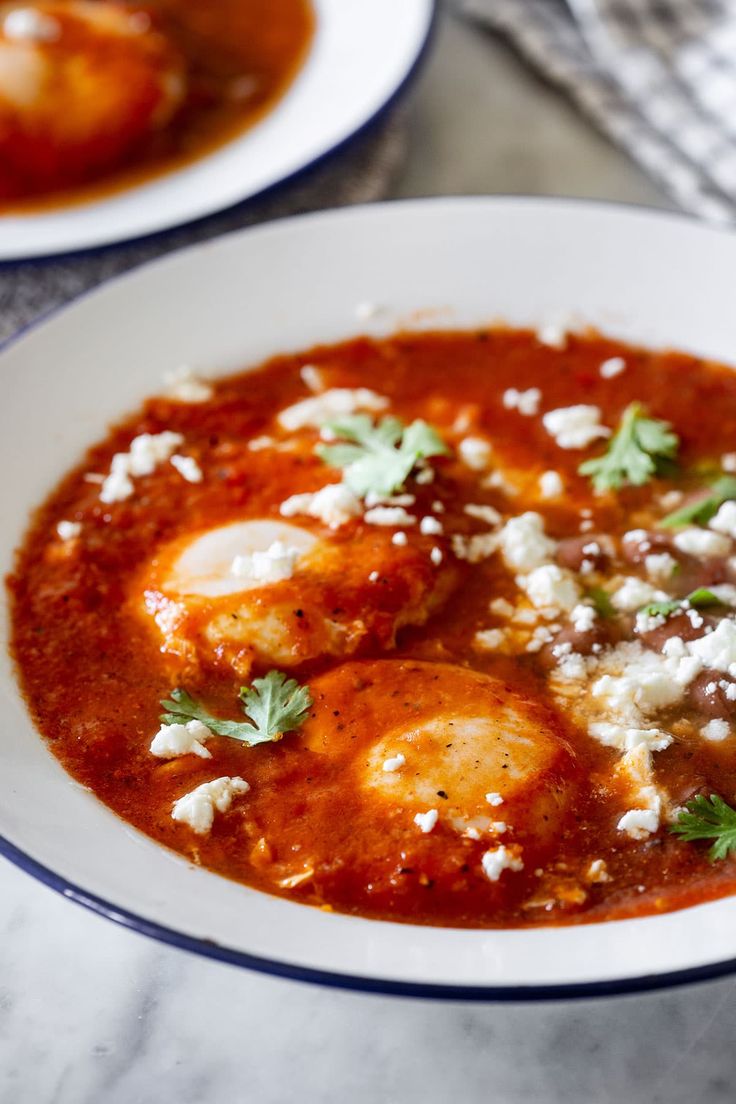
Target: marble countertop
93,1014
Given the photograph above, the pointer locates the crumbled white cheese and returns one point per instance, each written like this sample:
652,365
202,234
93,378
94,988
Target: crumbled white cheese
394,763
197,808
648,683
68,530
424,475
725,519
612,367
635,593
639,823
388,515
501,607
728,462
526,402
475,452
374,577
145,453
436,556
117,486
626,739
716,730
575,427
374,499
716,650
541,636
550,587
553,334
476,548
258,444
494,799
334,505
583,618
635,768
173,740
482,512
273,565
660,566
524,544
426,821
498,859
187,467
725,592
597,872
186,387
637,536
430,526
550,484
148,450
400,538
622,687
313,378
498,827
670,500
489,640
30,25
497,481
701,542
331,404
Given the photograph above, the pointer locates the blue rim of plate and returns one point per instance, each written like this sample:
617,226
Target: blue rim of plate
210,949
271,190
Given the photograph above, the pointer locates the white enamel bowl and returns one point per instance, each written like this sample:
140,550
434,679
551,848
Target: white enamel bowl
654,278
362,56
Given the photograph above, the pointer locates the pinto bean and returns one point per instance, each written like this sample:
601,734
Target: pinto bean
643,543
584,643
707,694
677,625
573,552
695,573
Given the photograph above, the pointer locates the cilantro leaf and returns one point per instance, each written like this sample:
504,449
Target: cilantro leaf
660,609
708,818
602,603
703,509
635,452
275,704
703,597
697,599
379,456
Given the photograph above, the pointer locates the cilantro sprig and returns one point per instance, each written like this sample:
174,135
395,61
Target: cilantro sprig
697,599
703,509
379,456
635,453
275,704
708,818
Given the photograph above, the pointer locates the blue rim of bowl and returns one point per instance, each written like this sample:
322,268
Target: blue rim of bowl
271,190
208,948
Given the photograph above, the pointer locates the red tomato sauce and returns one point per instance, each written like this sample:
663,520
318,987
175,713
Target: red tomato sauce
93,673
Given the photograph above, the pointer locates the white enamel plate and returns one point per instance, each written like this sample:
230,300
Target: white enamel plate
652,278
362,55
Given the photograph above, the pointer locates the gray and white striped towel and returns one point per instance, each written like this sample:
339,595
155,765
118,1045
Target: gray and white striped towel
657,76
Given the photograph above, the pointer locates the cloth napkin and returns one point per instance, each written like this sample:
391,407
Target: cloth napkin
360,173
657,76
